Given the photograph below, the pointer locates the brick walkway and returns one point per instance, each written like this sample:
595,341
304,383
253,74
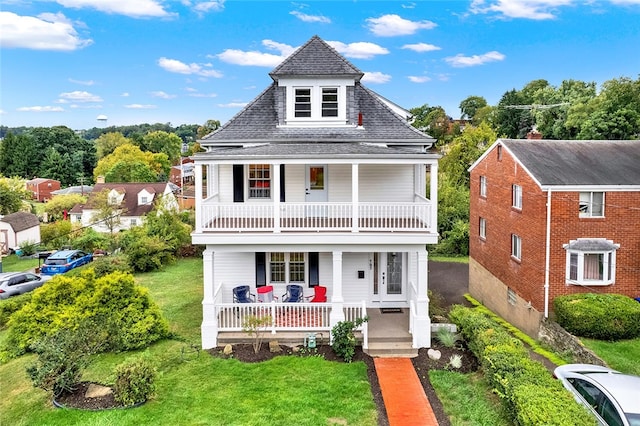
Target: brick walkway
403,395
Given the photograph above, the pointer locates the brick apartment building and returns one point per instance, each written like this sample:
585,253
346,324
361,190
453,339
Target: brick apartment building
41,188
549,218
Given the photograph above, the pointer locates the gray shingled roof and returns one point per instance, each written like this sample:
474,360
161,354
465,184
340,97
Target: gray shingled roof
19,221
316,58
258,122
592,163
591,244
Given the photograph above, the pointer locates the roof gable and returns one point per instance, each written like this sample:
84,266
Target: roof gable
130,202
316,58
19,221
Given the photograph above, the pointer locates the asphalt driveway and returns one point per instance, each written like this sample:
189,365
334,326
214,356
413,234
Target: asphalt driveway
450,280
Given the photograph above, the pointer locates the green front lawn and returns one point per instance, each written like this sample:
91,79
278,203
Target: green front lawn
13,263
203,390
622,355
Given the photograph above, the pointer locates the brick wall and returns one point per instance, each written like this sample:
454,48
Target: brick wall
527,276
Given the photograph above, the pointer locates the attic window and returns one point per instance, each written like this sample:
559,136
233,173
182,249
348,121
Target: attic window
329,101
303,102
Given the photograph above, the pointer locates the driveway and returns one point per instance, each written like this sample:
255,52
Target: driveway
450,280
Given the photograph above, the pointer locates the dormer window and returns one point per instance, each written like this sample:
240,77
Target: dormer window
329,101
303,102
316,103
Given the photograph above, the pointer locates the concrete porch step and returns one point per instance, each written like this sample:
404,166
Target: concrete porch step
391,349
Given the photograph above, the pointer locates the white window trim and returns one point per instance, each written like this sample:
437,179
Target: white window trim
516,196
248,196
608,256
483,186
482,225
589,212
287,269
316,86
516,247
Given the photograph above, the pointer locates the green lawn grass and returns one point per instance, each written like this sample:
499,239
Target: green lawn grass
622,355
467,399
457,259
202,389
13,263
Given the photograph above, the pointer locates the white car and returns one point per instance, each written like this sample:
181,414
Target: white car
14,283
612,397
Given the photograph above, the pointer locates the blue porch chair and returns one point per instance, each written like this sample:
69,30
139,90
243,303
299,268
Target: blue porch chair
241,294
294,294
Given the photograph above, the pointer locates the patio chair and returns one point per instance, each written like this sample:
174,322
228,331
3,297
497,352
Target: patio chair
294,294
319,296
241,295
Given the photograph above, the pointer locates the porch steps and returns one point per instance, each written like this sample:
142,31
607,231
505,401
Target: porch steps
391,347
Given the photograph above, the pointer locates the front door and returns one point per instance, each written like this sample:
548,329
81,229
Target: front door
316,184
388,277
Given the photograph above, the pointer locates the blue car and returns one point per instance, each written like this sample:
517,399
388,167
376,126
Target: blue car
65,260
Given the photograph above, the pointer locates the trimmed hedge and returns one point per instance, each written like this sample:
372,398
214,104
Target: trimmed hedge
11,305
598,316
528,391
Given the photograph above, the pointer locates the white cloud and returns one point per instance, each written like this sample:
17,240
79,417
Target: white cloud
46,32
526,9
310,18
83,83
162,95
125,94
79,96
409,5
139,106
203,95
255,58
359,50
75,106
173,65
233,105
419,79
2,112
41,109
376,77
394,25
131,8
209,6
421,47
461,61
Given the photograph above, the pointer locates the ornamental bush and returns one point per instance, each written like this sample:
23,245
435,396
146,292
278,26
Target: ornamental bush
135,382
11,305
344,339
598,316
127,316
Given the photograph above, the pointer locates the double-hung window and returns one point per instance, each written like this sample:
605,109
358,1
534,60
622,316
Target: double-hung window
483,186
591,261
329,101
483,228
303,102
592,204
289,268
516,247
516,196
259,181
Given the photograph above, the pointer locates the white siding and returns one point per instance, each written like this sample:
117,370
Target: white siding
234,269
339,183
294,183
386,183
226,183
355,289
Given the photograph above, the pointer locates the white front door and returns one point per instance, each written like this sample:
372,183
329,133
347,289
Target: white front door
389,277
316,184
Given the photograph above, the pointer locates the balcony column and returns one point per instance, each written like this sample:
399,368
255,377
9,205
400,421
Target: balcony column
209,327
337,300
198,194
433,197
422,322
355,196
275,192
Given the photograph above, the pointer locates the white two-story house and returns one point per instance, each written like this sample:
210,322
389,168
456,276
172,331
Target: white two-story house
318,182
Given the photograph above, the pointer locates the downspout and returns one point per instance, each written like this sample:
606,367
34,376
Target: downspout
547,254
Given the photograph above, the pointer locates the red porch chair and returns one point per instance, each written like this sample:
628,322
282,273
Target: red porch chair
319,296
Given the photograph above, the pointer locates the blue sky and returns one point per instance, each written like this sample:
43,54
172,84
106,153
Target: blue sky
67,62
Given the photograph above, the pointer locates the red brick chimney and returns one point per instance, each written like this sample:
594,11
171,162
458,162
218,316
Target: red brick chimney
534,134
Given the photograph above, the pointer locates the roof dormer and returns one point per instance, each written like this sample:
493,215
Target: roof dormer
145,197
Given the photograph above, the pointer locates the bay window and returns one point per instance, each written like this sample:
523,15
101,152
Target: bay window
591,261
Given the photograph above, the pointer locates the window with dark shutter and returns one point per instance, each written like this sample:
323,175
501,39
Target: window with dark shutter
282,197
314,275
238,183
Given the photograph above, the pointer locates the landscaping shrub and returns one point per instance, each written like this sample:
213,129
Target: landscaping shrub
56,235
90,240
513,375
146,253
135,382
598,316
107,264
11,305
344,339
124,310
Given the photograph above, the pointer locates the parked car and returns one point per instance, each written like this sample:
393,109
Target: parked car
612,397
15,283
65,260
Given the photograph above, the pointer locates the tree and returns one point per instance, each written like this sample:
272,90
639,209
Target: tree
56,207
131,155
108,213
17,154
130,171
207,128
58,166
463,151
163,142
13,192
108,142
434,121
470,106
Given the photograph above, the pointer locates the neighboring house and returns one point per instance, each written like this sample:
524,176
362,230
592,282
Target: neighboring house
130,201
549,218
18,228
41,188
318,181
182,174
79,189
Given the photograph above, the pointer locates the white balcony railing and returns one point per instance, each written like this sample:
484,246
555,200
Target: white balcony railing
242,217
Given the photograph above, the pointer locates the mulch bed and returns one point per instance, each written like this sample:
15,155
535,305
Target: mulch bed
76,399
422,364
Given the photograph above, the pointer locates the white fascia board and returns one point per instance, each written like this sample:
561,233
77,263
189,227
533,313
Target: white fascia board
300,242
591,188
323,248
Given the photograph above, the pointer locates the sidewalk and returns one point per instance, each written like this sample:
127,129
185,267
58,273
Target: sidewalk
402,392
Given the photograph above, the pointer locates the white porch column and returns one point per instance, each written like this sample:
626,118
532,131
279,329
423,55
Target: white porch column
355,196
276,197
433,196
209,327
198,178
337,300
422,322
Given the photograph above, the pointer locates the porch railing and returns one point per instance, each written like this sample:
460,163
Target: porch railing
240,217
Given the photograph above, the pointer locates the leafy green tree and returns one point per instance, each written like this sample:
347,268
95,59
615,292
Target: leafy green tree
470,106
434,121
58,204
208,127
57,234
58,166
13,194
108,142
131,171
131,155
17,154
463,151
163,142
107,214
166,225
